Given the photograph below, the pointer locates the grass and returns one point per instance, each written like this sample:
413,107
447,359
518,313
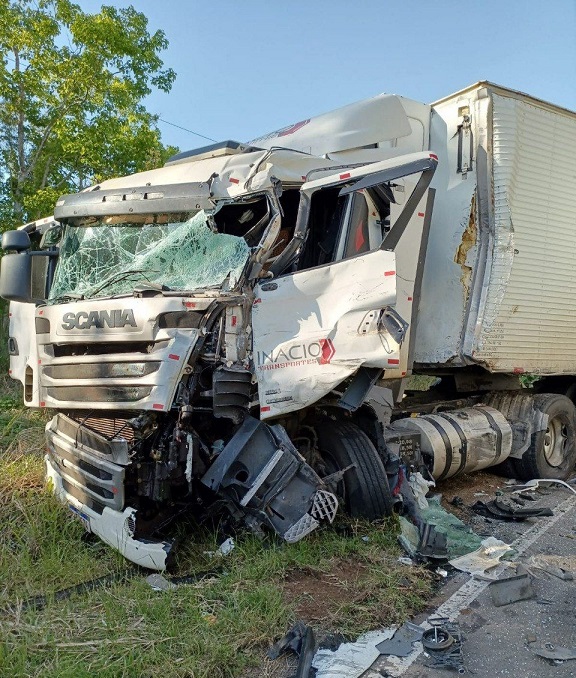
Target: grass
343,579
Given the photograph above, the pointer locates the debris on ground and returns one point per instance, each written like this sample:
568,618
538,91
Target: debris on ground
420,488
400,645
537,482
556,654
223,550
511,589
504,508
443,645
562,567
483,559
160,583
301,640
350,660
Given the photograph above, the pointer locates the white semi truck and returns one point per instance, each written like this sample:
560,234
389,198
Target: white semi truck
233,332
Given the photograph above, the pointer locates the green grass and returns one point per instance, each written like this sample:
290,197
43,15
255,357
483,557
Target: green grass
218,627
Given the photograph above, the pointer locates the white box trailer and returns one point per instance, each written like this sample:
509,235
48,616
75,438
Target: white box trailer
503,259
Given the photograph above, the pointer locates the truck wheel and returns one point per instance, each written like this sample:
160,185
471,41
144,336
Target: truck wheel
552,452
364,488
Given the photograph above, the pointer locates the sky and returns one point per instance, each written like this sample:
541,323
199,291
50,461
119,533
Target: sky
248,67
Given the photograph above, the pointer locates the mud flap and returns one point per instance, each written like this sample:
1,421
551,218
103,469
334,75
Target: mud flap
268,481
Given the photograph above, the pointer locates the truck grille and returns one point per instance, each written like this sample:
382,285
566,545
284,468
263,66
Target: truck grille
108,427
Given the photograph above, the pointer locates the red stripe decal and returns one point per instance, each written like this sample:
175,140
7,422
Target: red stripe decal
389,272
433,156
173,356
393,361
234,181
190,304
265,409
257,301
234,320
345,176
158,406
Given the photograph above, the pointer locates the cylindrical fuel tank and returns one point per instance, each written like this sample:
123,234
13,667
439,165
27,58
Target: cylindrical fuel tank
461,441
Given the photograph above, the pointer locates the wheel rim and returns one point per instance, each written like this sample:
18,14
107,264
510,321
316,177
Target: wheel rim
556,440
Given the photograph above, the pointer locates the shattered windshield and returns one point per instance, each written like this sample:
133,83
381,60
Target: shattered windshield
113,255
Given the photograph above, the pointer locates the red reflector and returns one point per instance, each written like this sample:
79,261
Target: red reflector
39,362
518,370
420,214
40,312
190,304
158,406
393,361
345,176
173,356
409,298
234,181
42,403
389,272
433,156
114,490
403,374
257,301
234,320
265,409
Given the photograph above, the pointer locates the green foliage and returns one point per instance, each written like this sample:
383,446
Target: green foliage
71,91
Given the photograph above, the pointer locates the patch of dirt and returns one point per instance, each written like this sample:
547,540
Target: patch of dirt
319,595
470,487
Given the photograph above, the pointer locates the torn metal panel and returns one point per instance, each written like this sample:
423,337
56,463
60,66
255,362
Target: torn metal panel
306,338
261,471
467,244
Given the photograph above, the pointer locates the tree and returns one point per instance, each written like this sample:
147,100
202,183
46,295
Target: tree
71,92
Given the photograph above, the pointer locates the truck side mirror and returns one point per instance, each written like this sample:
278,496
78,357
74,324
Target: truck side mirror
15,241
16,275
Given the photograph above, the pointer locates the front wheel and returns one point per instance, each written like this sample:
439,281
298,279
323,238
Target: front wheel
552,452
364,488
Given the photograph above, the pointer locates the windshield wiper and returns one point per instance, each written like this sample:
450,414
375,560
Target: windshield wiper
118,277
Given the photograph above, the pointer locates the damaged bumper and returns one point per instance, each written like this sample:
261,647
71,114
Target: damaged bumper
115,528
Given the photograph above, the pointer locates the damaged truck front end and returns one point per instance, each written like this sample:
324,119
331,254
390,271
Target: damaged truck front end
194,343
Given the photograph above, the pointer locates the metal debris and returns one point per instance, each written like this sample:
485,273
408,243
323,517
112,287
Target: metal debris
443,645
350,660
506,509
556,654
511,589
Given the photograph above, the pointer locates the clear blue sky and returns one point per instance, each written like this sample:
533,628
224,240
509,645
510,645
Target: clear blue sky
252,66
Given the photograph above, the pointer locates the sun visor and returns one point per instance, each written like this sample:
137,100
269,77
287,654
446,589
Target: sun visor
381,118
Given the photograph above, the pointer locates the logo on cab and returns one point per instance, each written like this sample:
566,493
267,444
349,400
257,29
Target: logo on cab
98,319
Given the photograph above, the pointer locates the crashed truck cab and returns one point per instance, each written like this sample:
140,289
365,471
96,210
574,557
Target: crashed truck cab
196,319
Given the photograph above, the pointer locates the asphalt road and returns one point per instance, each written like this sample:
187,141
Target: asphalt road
499,641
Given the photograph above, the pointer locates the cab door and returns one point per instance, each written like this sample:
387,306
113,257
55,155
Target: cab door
314,327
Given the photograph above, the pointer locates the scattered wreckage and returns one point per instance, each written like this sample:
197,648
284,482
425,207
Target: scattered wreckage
232,333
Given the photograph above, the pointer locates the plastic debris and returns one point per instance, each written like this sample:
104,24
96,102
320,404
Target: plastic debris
350,660
484,558
400,645
420,488
503,508
460,538
223,550
160,583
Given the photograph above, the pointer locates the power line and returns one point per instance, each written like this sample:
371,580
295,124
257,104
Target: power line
187,130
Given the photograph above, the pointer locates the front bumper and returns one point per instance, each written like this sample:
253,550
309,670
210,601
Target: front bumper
116,528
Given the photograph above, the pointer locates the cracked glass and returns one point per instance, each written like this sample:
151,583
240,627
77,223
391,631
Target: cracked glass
112,256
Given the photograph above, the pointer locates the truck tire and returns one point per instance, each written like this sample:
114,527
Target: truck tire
552,452
364,488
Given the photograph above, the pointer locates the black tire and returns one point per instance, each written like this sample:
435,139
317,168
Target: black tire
552,452
364,489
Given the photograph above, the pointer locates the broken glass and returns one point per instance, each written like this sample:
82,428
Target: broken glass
111,256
